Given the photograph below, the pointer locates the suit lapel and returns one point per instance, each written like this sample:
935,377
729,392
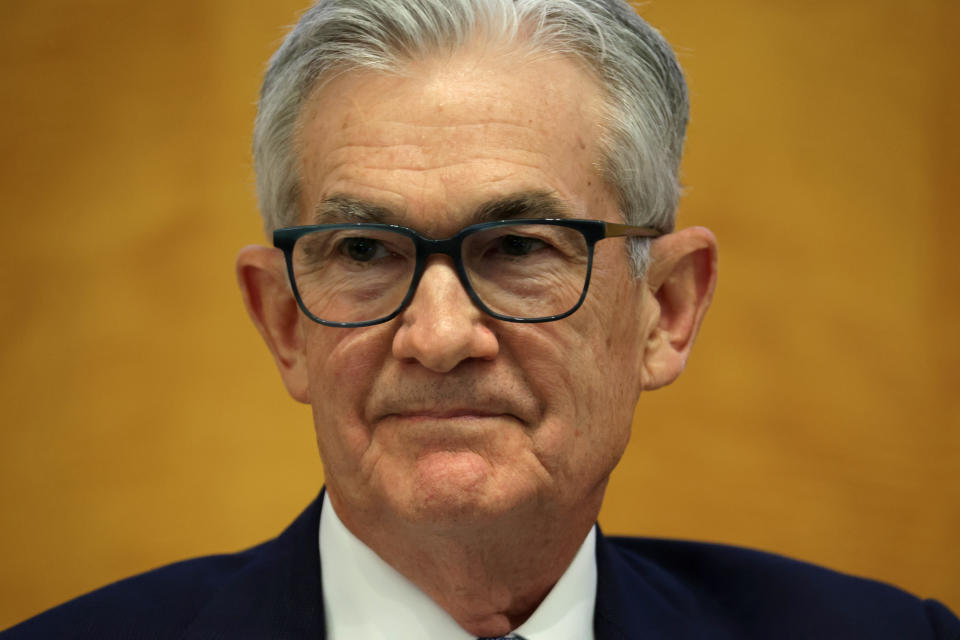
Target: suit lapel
276,595
638,600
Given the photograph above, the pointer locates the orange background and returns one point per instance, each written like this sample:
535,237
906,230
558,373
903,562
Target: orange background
143,419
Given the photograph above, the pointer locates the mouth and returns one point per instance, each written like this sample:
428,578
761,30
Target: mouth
460,419
447,414
449,403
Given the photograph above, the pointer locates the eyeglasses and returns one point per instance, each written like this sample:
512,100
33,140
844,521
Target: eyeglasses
360,274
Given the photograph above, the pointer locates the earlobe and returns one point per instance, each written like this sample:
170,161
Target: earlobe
681,279
273,309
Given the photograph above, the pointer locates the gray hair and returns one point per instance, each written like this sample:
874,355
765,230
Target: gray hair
647,105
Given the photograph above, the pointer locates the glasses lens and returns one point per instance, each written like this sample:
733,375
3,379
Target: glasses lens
353,274
527,270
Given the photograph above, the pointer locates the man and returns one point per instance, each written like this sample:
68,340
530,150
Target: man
475,274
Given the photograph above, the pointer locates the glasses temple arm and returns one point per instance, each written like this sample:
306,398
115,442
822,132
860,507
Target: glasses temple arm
615,230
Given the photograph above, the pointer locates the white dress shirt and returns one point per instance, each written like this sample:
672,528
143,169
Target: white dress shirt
364,598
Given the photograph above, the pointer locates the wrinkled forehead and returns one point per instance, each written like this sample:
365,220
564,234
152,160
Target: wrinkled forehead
449,133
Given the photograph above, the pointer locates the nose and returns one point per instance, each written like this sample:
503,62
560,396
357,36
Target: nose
442,327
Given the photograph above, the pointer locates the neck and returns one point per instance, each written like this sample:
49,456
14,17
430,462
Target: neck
490,577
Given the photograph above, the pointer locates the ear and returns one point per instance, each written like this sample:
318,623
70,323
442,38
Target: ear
273,309
681,278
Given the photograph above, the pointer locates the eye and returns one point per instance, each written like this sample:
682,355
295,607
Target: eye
362,249
514,245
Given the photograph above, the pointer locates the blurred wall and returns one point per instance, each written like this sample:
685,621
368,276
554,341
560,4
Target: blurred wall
143,421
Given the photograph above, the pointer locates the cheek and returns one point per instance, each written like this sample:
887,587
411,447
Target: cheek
342,365
587,368
584,384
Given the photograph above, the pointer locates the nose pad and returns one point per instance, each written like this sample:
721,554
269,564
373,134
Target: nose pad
441,326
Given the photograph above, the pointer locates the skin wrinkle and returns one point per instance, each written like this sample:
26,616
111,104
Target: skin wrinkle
581,210
391,163
445,166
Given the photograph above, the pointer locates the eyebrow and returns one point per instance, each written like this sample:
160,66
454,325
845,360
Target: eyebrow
525,204
341,209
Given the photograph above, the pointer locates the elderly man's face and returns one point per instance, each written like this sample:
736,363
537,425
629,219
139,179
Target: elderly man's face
446,415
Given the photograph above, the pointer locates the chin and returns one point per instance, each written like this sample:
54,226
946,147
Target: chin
457,488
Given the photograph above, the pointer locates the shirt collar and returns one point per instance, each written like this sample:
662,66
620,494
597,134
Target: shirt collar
364,597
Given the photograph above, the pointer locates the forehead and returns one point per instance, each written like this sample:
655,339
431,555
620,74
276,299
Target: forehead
435,142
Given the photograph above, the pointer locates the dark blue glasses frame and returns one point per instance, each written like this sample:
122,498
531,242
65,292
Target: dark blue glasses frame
592,230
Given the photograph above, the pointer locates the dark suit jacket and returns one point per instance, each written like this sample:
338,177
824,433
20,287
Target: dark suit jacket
647,590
